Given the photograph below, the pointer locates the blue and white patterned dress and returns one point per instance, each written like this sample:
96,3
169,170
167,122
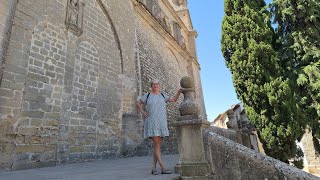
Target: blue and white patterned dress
155,123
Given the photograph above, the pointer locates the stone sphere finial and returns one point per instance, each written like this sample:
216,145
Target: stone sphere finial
187,82
188,106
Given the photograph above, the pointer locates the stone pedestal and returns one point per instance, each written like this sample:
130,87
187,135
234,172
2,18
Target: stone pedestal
192,162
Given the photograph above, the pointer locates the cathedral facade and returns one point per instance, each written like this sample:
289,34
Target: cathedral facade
72,70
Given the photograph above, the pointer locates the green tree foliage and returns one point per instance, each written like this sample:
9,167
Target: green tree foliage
298,160
298,44
248,46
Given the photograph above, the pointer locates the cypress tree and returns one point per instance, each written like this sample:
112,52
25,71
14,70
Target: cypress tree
248,44
298,44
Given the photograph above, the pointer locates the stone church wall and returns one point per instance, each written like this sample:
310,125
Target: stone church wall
68,91
7,11
62,94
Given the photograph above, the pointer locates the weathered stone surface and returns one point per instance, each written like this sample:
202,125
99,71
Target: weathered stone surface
187,82
230,160
33,148
69,96
188,106
189,127
227,133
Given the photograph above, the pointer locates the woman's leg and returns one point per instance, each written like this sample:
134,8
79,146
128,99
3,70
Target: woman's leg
154,162
156,151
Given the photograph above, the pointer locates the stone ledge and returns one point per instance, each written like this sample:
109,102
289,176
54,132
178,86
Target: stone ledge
245,163
200,178
190,120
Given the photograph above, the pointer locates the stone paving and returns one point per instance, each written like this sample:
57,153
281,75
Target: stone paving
135,168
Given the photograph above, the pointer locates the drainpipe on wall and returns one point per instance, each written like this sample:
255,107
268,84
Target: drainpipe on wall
7,11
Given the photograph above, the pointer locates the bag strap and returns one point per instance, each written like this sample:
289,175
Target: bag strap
147,98
149,95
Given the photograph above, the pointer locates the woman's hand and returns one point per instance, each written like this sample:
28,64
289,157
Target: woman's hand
174,99
139,105
145,114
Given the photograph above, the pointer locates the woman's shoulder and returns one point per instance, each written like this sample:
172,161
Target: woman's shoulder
144,97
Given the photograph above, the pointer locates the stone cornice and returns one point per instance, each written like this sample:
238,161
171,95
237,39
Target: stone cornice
193,33
143,12
188,12
190,32
173,12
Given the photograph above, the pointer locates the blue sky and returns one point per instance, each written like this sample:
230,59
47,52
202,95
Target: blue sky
218,90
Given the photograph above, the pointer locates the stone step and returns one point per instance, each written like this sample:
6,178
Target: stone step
166,177
200,178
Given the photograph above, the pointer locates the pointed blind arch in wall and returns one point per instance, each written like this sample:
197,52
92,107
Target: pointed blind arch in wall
173,55
113,28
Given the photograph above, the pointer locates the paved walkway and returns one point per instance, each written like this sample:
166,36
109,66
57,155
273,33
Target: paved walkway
135,168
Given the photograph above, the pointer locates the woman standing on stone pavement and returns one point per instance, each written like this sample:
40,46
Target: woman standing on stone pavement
155,124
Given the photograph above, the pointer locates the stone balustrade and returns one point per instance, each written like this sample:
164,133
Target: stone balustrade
231,160
204,154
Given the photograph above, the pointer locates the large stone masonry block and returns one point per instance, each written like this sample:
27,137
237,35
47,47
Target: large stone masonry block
34,148
190,143
192,160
